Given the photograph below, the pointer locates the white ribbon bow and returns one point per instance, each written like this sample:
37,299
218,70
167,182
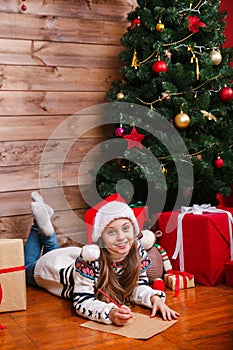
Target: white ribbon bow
197,210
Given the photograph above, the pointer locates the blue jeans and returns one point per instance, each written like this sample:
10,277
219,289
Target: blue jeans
36,245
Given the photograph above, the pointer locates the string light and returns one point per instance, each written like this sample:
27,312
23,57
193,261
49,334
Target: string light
135,62
190,155
196,8
177,93
156,54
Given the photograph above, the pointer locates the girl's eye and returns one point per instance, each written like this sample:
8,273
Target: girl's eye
111,232
126,228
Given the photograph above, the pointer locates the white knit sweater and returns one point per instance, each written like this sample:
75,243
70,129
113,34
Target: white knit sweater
64,273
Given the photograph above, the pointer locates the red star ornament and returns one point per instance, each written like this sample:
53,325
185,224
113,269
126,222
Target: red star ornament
134,139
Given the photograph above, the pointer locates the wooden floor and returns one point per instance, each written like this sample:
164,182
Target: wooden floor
206,322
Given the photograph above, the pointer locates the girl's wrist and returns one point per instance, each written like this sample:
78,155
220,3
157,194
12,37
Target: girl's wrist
154,297
111,313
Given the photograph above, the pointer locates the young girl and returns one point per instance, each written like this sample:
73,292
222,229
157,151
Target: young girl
116,265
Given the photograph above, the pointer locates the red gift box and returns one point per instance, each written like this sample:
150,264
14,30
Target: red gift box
229,273
224,202
141,214
206,244
230,209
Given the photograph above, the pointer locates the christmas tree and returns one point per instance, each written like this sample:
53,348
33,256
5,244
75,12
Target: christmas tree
174,65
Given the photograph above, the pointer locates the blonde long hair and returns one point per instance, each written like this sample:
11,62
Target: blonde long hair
120,288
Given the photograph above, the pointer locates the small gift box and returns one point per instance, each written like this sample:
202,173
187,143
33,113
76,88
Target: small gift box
229,273
12,275
177,280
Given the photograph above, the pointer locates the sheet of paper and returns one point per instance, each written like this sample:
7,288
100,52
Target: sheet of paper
141,327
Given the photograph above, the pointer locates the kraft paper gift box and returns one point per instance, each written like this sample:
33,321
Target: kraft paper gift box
206,242
177,280
229,273
12,275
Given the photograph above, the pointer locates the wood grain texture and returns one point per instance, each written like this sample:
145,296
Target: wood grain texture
17,178
55,78
30,152
15,128
93,9
57,60
63,29
48,102
61,199
48,53
69,226
50,322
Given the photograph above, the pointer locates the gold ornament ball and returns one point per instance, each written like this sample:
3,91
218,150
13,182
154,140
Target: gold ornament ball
216,57
182,120
120,96
159,26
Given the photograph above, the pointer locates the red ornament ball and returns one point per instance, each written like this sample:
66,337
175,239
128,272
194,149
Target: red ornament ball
135,23
23,7
219,163
226,94
159,67
119,132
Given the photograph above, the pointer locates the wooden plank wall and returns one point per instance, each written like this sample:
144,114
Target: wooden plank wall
57,58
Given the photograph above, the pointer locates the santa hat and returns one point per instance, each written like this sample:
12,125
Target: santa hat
103,213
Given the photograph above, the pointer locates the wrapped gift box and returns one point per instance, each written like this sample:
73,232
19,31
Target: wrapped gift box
229,273
177,280
141,214
230,209
12,275
225,202
206,244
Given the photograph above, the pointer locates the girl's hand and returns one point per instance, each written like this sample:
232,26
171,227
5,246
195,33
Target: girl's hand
120,316
158,305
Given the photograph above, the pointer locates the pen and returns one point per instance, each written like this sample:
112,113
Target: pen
111,299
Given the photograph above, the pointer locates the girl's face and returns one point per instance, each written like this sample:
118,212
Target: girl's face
118,236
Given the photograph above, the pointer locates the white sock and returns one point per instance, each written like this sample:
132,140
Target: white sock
42,218
36,197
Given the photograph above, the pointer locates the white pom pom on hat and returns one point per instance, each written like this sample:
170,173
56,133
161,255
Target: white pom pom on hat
90,252
102,214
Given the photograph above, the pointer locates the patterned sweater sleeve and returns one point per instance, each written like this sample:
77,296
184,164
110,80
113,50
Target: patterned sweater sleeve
84,300
143,292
